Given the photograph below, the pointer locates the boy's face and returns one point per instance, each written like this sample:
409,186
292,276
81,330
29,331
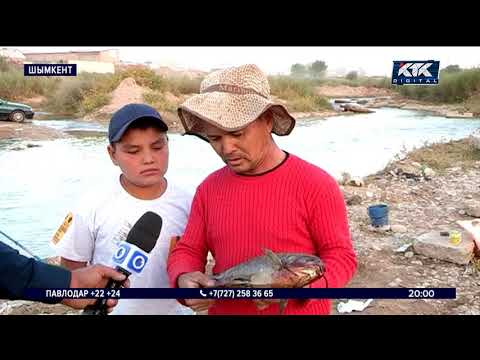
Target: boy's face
142,155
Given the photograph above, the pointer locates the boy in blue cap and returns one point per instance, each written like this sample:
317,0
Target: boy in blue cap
139,147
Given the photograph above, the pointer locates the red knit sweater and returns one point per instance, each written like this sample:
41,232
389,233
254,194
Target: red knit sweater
296,207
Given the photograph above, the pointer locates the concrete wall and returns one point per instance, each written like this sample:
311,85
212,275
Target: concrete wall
93,66
109,56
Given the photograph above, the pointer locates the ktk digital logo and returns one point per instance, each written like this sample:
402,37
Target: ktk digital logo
415,72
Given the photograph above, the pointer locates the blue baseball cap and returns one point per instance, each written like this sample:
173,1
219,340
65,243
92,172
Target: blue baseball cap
124,117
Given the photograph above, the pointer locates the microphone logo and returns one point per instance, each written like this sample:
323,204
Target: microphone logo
137,261
121,253
130,257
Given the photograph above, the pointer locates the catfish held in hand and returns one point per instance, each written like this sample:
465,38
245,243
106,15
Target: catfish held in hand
273,270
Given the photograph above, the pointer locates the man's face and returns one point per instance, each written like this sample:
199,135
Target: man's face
243,150
142,155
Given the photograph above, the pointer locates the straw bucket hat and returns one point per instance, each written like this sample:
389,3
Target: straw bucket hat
231,99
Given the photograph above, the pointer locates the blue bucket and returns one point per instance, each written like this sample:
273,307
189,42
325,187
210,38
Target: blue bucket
378,214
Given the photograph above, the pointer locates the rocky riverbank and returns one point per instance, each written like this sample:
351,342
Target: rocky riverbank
420,201
447,110
27,131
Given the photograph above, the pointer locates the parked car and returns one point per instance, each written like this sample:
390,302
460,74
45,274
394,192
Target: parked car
15,111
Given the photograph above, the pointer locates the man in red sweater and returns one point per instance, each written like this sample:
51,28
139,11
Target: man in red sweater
263,198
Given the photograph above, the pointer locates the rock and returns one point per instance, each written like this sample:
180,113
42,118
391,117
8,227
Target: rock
417,262
461,212
376,247
409,171
354,200
399,228
456,114
474,139
435,246
355,182
403,248
472,208
409,254
428,173
380,229
369,194
355,108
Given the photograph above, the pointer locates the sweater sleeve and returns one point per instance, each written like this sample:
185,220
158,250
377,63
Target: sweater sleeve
331,235
18,273
190,252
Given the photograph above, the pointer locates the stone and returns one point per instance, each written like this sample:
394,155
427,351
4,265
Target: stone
461,212
369,194
475,139
428,173
399,228
435,246
472,208
380,229
409,254
417,262
409,171
355,182
354,200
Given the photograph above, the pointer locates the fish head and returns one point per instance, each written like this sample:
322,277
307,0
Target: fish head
305,266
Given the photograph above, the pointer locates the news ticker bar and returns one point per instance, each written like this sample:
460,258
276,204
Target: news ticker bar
245,294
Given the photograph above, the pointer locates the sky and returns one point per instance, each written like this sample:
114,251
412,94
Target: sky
373,61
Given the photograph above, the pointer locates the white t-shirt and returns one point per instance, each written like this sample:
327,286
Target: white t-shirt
104,218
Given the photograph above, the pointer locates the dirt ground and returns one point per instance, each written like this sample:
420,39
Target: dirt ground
352,91
27,131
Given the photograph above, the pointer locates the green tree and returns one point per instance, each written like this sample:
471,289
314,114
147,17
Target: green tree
298,70
452,69
318,69
352,75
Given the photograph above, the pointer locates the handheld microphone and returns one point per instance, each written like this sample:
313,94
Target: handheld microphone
131,255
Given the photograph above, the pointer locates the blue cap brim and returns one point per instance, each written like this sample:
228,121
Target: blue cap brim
124,128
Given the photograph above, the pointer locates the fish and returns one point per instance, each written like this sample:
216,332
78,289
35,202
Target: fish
273,270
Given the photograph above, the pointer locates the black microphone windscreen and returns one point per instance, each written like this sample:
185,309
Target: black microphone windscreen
145,232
